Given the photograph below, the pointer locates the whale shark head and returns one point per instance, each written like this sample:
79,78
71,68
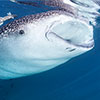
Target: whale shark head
36,43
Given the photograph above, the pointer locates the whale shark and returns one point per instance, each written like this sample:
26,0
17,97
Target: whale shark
39,42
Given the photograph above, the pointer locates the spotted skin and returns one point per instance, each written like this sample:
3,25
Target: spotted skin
14,27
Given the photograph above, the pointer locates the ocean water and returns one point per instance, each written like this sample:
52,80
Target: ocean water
77,79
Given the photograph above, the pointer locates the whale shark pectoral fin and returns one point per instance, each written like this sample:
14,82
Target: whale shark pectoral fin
31,3
44,4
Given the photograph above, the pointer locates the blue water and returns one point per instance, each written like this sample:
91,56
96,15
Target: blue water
78,79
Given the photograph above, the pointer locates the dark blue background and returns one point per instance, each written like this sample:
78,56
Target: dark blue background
78,79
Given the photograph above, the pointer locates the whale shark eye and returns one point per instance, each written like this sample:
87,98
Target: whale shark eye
21,32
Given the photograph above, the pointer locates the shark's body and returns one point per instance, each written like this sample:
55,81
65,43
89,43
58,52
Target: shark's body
36,43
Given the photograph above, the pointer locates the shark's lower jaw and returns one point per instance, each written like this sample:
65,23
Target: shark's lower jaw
88,45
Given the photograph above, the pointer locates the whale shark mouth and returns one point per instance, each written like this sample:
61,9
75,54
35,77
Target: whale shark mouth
74,33
88,45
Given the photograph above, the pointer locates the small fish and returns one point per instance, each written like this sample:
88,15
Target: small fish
9,16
